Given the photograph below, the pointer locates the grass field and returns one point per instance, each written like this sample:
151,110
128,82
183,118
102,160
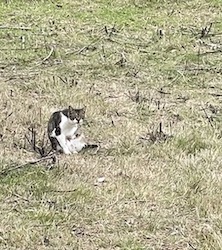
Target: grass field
149,73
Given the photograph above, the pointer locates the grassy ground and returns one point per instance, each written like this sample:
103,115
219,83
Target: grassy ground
149,73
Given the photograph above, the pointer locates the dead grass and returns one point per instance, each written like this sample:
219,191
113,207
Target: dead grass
135,65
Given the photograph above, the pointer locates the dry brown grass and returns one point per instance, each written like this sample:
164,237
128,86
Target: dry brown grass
162,187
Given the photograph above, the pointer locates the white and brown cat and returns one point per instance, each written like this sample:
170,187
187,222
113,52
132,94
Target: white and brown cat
64,130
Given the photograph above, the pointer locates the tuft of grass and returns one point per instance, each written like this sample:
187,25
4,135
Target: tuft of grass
191,144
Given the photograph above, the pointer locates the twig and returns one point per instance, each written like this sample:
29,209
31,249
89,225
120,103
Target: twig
215,94
33,140
122,61
198,58
85,47
30,48
208,118
205,31
112,121
163,92
64,81
19,196
91,87
41,150
48,56
15,28
63,191
214,70
8,115
160,128
130,44
5,171
191,246
210,52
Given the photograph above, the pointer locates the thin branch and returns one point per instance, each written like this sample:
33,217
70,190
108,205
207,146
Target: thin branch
208,118
5,171
210,52
30,48
15,28
206,30
215,94
63,191
130,44
48,56
41,150
84,48
19,196
64,81
192,246
163,92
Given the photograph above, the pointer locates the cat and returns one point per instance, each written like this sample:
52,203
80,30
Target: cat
63,125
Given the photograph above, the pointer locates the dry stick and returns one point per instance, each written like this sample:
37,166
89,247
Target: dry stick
85,47
91,87
32,142
208,118
163,92
30,48
192,246
33,139
211,52
130,44
198,58
215,34
15,28
48,56
160,128
112,121
19,196
43,141
206,30
26,137
215,94
62,191
64,81
209,28
27,163
40,115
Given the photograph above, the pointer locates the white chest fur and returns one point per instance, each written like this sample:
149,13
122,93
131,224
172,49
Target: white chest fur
67,126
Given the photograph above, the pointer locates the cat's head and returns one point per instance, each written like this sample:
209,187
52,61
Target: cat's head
76,115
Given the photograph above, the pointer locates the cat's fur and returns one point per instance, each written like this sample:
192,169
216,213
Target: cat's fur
62,126
77,142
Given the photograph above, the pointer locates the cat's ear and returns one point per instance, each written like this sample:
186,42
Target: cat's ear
84,109
70,108
81,112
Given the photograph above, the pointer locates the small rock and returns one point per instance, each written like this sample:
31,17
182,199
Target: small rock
101,179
